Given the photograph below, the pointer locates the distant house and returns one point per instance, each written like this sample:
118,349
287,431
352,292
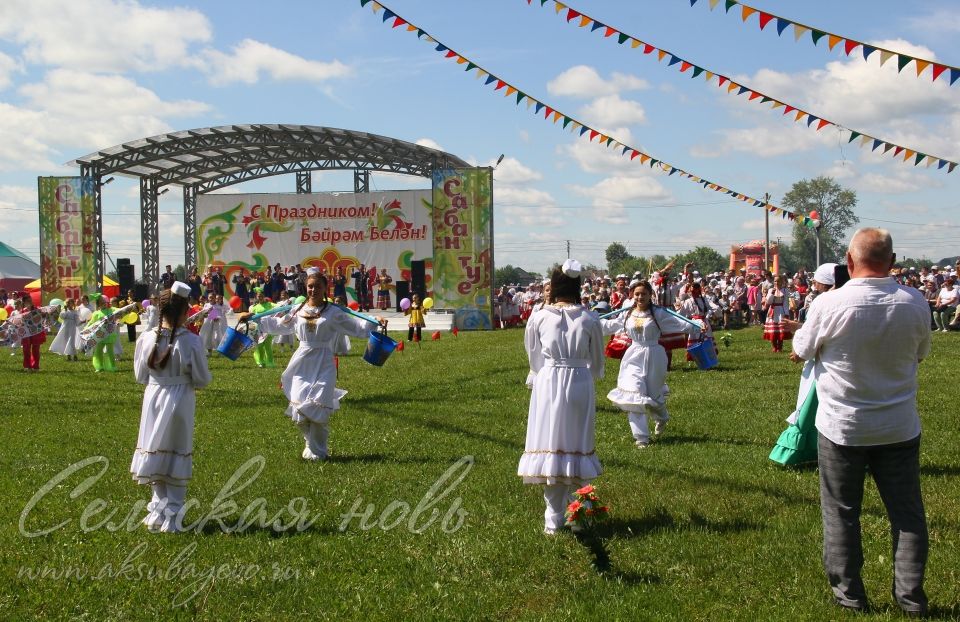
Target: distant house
524,278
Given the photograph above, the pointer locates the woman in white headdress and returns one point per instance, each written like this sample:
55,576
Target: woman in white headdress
309,381
171,361
564,345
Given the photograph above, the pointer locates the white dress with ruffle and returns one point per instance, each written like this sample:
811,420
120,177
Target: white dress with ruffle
165,443
309,381
65,342
565,348
641,383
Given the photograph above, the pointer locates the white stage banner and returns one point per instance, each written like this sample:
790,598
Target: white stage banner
327,230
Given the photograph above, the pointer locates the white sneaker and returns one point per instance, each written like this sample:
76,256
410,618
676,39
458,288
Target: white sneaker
550,531
643,444
659,427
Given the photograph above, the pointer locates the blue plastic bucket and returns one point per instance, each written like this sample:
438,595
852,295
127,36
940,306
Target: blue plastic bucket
704,354
379,347
234,344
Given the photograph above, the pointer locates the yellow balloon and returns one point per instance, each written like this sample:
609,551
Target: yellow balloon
3,314
428,303
131,318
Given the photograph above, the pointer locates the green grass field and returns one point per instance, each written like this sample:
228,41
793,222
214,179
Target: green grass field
703,526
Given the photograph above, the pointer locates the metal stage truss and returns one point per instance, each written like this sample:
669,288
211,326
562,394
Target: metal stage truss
206,159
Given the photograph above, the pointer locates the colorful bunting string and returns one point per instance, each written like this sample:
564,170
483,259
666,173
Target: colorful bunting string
833,40
569,123
814,122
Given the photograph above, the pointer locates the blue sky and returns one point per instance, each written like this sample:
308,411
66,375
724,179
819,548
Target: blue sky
79,76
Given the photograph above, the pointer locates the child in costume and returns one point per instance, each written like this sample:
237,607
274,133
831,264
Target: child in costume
565,349
263,352
283,340
416,313
774,330
115,305
31,345
151,315
641,384
170,361
103,359
309,381
65,343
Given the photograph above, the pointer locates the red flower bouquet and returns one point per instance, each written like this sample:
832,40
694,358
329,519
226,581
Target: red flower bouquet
585,509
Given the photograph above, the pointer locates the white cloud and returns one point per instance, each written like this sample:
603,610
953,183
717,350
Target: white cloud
895,183
249,59
102,35
511,171
611,110
527,207
593,157
611,194
8,66
940,22
429,143
87,111
862,95
584,82
764,141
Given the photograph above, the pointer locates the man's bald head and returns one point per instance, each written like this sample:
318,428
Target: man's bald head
871,250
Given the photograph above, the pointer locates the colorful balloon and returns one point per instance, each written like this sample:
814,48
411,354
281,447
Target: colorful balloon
235,302
815,215
299,300
354,305
404,304
145,303
428,303
3,315
131,318
56,302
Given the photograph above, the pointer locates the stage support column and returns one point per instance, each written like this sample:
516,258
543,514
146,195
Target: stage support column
189,227
150,236
304,182
361,181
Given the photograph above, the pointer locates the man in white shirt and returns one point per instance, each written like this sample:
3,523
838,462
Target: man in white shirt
868,338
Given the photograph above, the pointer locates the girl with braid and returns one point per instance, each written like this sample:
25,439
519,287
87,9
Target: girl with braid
309,381
641,384
171,361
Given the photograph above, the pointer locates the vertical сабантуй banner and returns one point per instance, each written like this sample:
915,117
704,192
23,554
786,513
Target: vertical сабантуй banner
462,245
67,268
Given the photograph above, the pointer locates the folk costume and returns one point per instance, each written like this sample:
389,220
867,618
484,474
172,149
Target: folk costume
65,343
565,350
641,384
383,291
263,352
774,329
164,454
698,308
417,322
309,381
103,352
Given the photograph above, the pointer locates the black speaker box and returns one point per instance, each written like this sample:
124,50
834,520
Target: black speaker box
403,291
125,278
418,276
141,291
122,261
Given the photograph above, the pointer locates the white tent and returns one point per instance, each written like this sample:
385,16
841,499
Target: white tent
16,269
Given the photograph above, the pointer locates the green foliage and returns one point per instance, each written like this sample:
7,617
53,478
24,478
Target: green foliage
703,526
705,260
835,207
508,275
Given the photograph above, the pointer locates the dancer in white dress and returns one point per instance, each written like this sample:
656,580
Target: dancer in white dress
641,384
565,349
309,381
284,340
65,342
170,360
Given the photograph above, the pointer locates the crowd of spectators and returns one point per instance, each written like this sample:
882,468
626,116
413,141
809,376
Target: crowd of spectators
735,297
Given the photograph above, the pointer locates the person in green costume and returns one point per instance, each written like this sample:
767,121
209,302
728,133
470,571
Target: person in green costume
798,443
103,359
263,352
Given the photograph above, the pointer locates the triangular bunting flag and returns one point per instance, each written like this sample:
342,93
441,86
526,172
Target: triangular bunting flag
799,31
902,61
816,35
888,146
833,40
753,96
556,116
609,31
621,38
647,48
661,54
673,60
954,74
584,20
571,14
867,51
500,85
713,4
520,97
921,65
782,25
746,12
865,139
490,78
885,55
729,4
697,71
853,136
510,91
850,45
764,19
908,153
876,143
937,70
920,157
822,123
898,151
634,43
596,25
952,166
684,66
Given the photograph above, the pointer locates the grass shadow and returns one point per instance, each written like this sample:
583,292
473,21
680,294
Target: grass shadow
601,562
213,528
677,439
939,469
662,520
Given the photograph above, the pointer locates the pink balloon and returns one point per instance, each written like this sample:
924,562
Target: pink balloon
145,303
405,304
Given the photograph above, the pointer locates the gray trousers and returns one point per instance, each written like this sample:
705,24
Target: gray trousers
896,470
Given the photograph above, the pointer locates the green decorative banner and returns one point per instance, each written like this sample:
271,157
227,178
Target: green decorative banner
462,242
67,238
